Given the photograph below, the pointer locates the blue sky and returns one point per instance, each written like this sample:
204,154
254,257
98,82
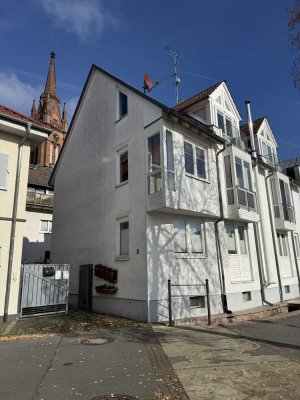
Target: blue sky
244,42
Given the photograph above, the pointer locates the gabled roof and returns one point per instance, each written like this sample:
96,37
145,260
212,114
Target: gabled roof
39,175
256,125
198,97
14,114
197,124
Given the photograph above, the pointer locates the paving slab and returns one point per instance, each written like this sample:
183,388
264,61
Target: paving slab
224,363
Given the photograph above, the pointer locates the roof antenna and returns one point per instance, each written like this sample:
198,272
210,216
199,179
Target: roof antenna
175,54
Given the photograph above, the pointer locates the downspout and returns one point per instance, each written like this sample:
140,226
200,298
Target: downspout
218,246
273,238
14,222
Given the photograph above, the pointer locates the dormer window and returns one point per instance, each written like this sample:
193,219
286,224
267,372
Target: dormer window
225,124
267,152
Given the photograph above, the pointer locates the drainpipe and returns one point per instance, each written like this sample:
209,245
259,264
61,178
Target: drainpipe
255,224
273,237
259,263
14,222
218,246
296,260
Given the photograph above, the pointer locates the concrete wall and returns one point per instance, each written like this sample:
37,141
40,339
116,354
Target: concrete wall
9,145
35,243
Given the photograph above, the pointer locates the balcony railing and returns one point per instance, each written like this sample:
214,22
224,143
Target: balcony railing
39,199
234,136
246,198
270,159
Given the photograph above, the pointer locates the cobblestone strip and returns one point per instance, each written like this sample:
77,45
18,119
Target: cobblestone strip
170,386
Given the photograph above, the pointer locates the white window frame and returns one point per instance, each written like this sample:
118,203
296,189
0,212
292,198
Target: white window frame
189,252
119,153
7,171
170,169
196,146
233,122
237,239
49,226
119,256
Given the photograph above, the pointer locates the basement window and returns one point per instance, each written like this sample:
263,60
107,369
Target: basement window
197,302
246,296
287,289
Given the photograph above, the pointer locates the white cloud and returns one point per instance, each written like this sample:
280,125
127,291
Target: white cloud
16,94
80,17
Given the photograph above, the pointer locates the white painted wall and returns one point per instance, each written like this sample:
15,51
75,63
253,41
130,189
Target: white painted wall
35,243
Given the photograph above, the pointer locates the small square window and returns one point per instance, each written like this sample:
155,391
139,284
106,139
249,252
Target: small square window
123,105
246,296
197,301
287,289
46,226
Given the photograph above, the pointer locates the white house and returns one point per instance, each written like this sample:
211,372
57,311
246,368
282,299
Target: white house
147,194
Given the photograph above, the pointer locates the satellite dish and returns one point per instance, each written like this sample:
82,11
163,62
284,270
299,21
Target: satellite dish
148,85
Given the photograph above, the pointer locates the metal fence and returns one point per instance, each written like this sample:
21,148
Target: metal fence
45,289
170,296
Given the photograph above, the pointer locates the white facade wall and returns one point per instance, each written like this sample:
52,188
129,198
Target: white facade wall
35,242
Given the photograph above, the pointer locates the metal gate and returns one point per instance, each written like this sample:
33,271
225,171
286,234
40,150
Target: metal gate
45,289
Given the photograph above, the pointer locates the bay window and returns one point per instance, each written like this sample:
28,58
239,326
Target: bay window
170,161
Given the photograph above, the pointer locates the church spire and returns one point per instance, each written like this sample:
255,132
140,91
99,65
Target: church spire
50,87
33,110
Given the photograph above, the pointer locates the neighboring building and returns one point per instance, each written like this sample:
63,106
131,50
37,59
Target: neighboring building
14,129
39,208
156,193
48,112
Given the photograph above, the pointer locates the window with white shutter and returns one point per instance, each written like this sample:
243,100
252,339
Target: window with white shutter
4,160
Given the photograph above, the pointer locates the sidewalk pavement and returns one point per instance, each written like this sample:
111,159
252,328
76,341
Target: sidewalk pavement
253,360
127,360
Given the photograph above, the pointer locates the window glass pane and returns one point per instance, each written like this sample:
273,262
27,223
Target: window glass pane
154,152
124,238
230,239
179,236
228,127
200,160
274,191
44,226
239,172
50,226
154,183
171,181
287,194
188,158
196,235
279,244
284,244
242,239
220,121
123,108
297,245
228,173
248,176
124,167
170,161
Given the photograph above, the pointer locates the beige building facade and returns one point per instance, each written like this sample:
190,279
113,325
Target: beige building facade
18,136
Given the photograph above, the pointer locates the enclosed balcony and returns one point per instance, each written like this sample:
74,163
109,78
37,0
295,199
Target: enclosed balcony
39,200
283,209
240,202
